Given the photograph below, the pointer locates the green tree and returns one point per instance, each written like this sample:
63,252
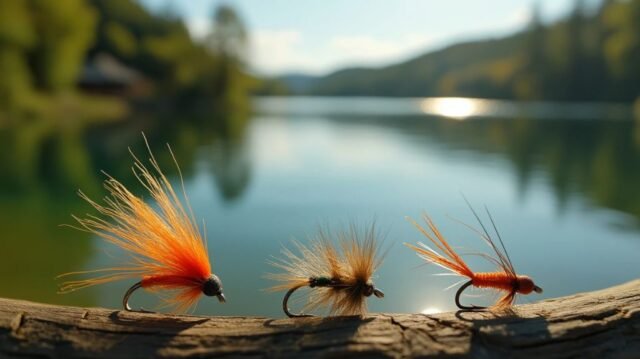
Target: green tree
228,37
622,47
16,38
531,79
64,31
575,73
228,41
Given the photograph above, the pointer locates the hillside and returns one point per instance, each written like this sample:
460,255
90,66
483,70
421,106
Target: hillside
591,55
426,75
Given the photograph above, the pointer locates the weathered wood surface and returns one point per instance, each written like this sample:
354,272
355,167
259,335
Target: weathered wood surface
601,324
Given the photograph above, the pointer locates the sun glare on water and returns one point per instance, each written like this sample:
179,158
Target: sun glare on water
453,107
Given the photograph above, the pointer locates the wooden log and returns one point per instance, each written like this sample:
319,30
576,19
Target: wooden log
598,324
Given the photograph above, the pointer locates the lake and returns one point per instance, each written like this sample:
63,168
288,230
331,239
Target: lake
562,183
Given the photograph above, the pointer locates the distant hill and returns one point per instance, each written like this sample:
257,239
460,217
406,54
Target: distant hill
425,75
299,83
591,55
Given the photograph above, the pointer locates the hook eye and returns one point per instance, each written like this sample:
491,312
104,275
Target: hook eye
537,289
378,293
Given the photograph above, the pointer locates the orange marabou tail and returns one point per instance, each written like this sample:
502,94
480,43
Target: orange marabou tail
164,245
449,260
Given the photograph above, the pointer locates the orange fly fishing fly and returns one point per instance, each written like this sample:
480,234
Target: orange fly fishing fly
339,276
166,250
505,279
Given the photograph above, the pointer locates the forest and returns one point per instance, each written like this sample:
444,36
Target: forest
47,46
593,54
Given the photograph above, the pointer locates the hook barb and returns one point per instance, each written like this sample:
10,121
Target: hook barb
459,292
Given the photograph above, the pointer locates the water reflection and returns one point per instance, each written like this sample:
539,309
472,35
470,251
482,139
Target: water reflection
41,166
562,190
230,164
598,160
455,107
459,108
449,107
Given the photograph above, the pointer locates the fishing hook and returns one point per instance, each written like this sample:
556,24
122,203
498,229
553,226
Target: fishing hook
285,305
125,299
459,292
378,293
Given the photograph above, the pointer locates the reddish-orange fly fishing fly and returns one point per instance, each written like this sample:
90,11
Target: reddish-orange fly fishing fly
505,279
165,246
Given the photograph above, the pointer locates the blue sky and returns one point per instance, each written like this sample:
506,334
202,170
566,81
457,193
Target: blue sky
321,36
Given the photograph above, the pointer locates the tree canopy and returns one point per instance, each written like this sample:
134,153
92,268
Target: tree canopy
44,46
590,55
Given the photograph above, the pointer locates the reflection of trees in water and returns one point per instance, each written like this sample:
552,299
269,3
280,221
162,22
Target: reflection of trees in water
225,152
42,167
597,159
230,165
39,156
218,140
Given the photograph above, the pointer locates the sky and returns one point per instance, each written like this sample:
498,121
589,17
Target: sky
318,37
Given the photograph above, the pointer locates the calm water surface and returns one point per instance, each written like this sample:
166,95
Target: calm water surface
563,191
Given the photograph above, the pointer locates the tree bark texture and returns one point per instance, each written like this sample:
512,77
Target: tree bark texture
600,324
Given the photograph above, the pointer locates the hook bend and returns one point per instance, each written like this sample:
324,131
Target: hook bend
459,292
127,295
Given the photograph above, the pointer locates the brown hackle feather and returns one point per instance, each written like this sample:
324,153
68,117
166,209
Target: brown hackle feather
319,259
352,262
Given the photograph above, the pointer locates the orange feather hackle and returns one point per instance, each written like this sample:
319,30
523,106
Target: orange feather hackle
450,260
165,248
352,263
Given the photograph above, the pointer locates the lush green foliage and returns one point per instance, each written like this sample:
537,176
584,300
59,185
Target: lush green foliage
45,44
584,57
42,46
163,50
